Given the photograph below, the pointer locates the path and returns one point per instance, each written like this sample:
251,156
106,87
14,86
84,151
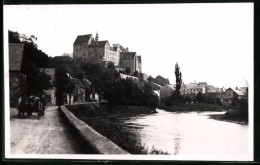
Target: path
49,135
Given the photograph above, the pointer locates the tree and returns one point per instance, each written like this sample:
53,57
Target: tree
111,65
33,59
199,97
62,81
128,71
178,76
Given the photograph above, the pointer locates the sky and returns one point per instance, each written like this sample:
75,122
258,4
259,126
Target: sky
212,43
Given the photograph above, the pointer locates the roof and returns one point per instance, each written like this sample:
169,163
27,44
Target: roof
194,86
124,76
139,59
172,86
239,92
15,56
121,48
98,43
127,55
82,38
155,86
50,72
202,83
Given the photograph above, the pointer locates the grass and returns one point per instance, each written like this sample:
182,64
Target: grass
235,116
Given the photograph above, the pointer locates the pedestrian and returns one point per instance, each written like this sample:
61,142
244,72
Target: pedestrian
43,100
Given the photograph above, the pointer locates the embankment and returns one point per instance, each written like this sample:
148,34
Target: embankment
97,109
192,107
97,142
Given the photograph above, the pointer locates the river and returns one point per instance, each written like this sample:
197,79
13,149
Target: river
190,133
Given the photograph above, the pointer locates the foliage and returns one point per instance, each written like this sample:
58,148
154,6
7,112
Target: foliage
128,71
62,81
159,80
33,59
128,92
178,77
36,80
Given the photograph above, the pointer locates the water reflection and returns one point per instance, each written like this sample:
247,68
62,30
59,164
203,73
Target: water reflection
190,133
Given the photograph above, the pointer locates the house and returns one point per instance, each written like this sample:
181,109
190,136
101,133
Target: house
230,94
78,93
50,93
166,91
17,80
193,88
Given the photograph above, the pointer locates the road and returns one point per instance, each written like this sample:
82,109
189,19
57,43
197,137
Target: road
48,135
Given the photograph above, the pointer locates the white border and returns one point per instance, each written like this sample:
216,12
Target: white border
117,157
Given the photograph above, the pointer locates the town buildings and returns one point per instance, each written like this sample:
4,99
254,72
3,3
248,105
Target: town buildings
166,91
230,94
17,80
87,48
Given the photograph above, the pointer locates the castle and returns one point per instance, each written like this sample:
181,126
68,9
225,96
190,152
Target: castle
86,47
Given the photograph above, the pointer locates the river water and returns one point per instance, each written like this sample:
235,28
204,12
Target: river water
190,133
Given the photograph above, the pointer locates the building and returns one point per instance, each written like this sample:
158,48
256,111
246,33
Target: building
194,88
78,93
139,64
166,91
145,77
102,51
129,60
17,80
135,79
230,94
86,47
80,46
50,93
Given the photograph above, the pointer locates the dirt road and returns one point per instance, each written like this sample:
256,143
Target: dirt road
49,135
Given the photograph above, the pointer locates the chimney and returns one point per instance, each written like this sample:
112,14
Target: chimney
126,49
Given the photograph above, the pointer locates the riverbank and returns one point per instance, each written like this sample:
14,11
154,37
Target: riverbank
234,116
192,107
105,119
97,109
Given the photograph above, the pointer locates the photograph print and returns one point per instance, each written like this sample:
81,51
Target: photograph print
129,81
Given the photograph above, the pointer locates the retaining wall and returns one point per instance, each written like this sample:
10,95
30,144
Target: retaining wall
98,142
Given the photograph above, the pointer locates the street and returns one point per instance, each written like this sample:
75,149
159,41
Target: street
48,135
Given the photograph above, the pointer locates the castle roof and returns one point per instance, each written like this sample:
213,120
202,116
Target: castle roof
121,48
82,38
98,43
127,55
15,56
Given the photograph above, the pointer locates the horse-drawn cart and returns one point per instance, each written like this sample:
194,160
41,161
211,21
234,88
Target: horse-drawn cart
30,105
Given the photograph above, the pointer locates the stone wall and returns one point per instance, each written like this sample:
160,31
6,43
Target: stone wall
97,142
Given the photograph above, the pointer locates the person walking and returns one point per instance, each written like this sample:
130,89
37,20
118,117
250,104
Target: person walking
43,100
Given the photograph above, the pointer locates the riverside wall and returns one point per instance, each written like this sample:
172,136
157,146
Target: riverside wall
98,142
